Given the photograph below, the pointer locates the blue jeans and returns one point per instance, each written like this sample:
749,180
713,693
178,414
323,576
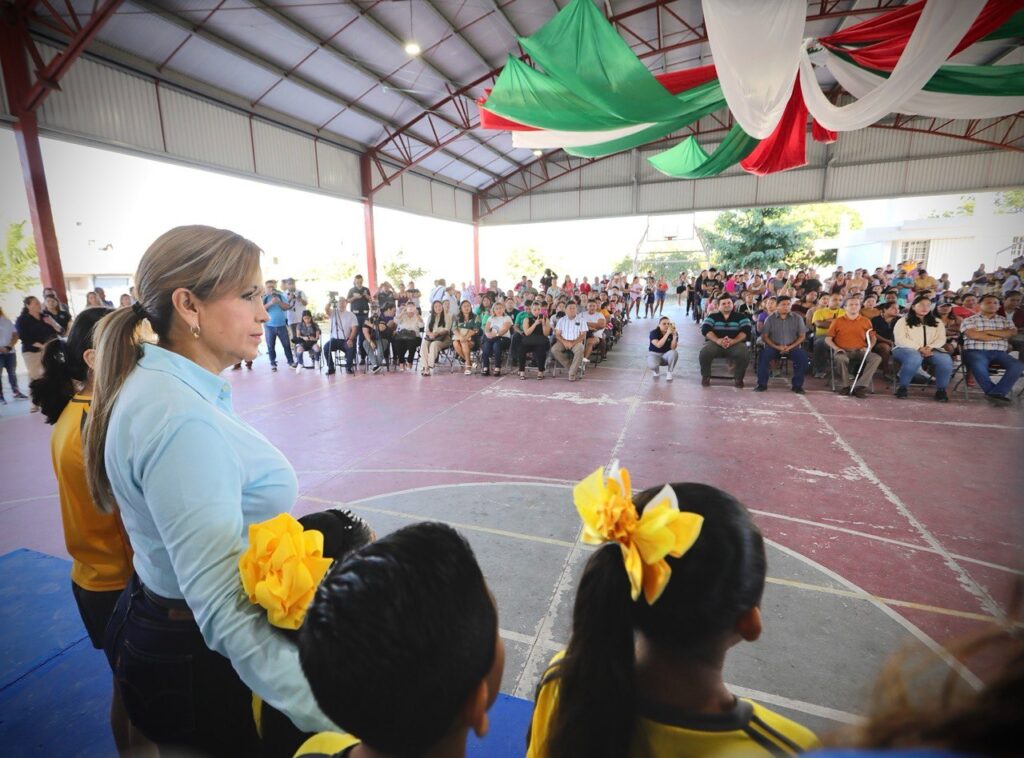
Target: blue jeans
491,347
272,333
177,691
346,346
911,360
9,362
979,361
797,356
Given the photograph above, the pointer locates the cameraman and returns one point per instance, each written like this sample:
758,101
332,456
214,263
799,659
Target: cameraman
297,303
276,328
662,348
344,327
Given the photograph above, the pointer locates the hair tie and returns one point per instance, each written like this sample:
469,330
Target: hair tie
282,568
608,514
139,310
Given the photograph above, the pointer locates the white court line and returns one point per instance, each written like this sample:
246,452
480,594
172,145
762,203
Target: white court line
26,499
965,579
812,709
926,640
889,540
517,477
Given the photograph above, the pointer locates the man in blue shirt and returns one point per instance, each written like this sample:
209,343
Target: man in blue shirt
727,333
276,328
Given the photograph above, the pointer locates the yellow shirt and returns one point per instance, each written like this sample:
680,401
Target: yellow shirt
825,313
327,744
748,730
925,283
100,552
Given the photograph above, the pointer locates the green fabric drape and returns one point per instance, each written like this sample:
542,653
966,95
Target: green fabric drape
688,160
953,79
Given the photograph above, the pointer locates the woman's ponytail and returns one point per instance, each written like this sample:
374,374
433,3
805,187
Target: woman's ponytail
117,351
596,709
54,389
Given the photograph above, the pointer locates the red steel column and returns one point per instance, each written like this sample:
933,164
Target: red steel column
371,245
13,37
476,241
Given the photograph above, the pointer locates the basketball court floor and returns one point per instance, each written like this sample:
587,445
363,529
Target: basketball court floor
891,524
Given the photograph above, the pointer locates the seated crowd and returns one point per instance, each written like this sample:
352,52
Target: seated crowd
899,320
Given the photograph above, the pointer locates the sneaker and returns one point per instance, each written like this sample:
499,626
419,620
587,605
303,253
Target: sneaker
350,371
34,409
994,399
375,369
654,374
941,396
668,377
298,369
860,392
901,393
330,371
468,371
20,395
760,388
3,401
843,390
485,372
273,368
705,381
799,390
586,360
237,367
738,384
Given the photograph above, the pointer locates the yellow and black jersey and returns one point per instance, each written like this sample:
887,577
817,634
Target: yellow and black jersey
749,729
327,745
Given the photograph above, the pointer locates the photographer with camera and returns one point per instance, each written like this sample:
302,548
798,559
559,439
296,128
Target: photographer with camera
276,328
662,348
344,327
297,302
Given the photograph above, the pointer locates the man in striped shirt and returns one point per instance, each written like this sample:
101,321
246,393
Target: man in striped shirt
727,333
570,334
986,341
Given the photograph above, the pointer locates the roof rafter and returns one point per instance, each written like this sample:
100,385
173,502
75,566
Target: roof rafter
326,45
276,70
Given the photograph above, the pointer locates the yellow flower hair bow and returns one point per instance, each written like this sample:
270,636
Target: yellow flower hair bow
606,507
282,568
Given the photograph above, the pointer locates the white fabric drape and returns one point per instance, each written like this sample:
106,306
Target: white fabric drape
941,26
859,83
552,138
756,48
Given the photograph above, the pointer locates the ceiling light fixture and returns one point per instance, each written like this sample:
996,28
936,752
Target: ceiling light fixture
538,153
412,49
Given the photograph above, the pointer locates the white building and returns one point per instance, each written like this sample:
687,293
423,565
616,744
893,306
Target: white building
954,245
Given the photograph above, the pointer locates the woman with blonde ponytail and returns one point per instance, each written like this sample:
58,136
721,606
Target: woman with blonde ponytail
189,476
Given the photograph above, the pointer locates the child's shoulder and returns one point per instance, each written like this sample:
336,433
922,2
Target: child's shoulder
781,729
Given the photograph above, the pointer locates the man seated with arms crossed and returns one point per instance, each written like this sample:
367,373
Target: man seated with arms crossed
570,332
783,333
727,333
847,336
596,323
344,326
821,321
986,341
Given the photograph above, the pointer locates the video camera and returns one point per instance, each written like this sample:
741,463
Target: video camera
332,297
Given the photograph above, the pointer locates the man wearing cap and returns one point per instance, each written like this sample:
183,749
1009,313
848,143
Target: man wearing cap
297,302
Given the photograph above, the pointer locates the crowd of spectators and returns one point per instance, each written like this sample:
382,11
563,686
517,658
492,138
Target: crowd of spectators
900,320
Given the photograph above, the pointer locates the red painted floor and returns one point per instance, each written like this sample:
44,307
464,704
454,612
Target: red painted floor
909,501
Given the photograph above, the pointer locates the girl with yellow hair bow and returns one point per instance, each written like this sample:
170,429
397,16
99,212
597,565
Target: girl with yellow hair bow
676,582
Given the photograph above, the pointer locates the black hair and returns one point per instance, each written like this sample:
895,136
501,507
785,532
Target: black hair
986,296
782,299
725,296
718,580
63,365
343,531
928,320
400,632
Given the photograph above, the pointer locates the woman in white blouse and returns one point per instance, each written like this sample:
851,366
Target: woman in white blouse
921,341
498,326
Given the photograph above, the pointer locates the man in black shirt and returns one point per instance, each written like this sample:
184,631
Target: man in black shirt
359,304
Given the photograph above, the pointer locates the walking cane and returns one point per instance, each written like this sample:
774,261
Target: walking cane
867,336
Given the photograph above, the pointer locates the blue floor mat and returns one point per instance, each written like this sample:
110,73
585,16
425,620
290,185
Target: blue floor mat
55,688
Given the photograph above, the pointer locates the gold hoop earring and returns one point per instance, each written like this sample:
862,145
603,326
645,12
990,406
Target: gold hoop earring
195,331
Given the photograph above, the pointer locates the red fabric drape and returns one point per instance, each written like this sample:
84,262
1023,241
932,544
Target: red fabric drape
821,134
890,32
784,148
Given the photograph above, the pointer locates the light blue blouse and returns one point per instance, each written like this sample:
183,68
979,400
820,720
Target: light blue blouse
190,476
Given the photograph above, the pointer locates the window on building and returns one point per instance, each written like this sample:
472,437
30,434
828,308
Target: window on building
915,250
1017,247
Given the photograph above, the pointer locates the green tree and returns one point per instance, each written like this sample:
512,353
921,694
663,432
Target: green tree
20,265
526,262
966,208
397,269
761,238
666,263
1011,201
